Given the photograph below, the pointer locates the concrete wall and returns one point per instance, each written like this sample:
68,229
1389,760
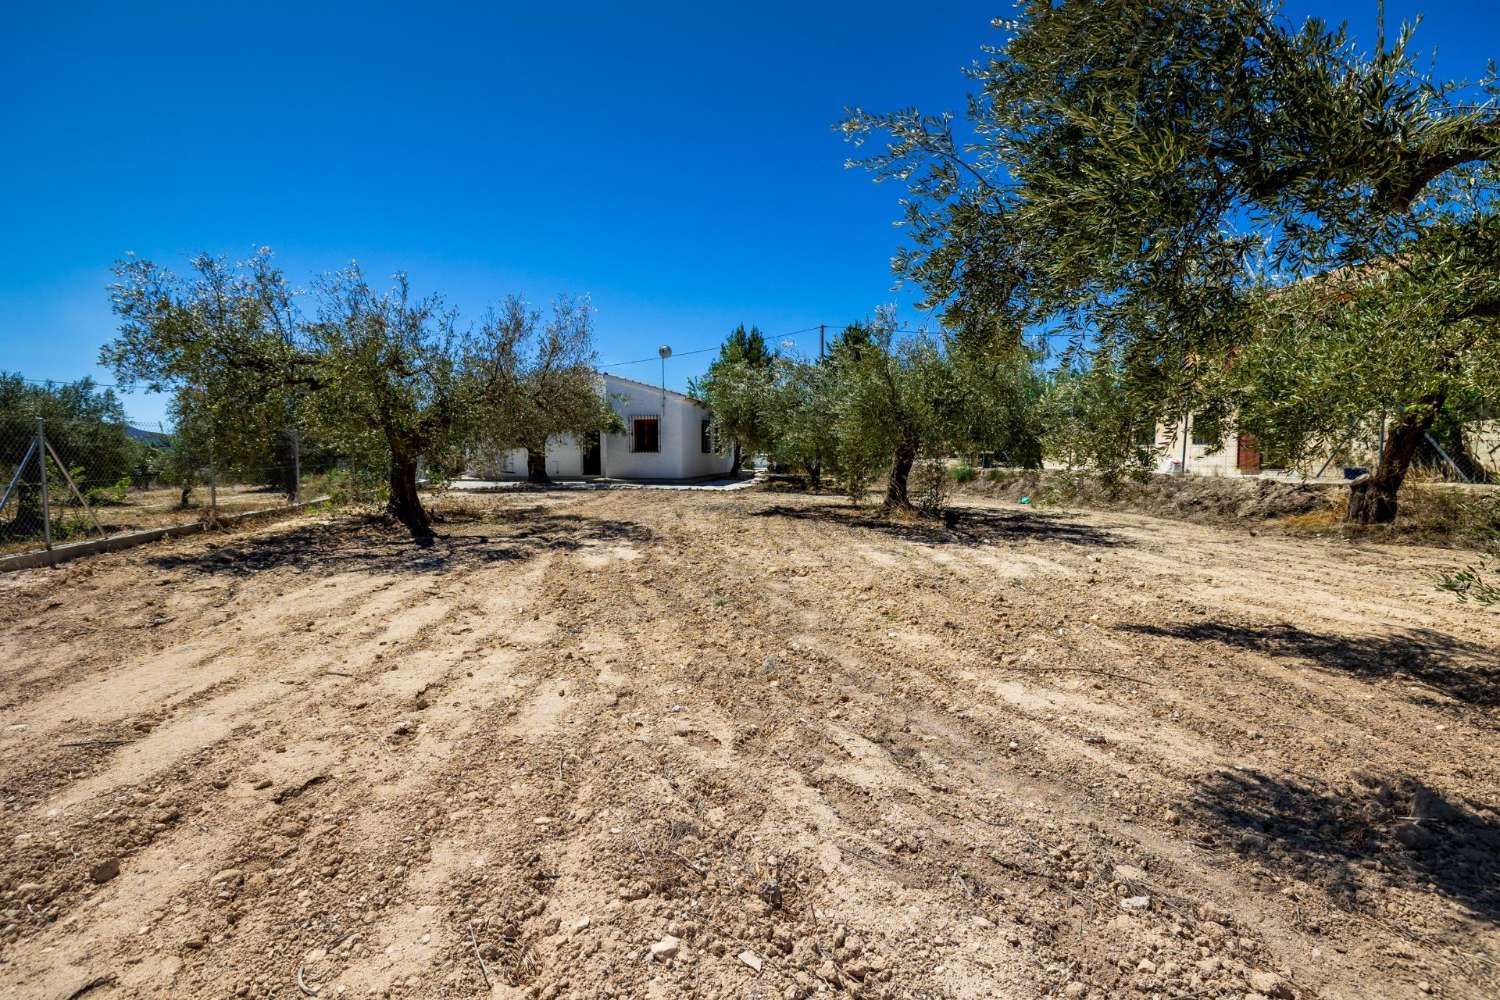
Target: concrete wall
680,441
680,454
1202,460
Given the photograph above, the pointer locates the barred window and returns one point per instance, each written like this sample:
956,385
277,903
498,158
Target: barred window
645,436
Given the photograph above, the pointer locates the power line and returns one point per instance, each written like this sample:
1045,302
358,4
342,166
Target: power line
62,382
705,350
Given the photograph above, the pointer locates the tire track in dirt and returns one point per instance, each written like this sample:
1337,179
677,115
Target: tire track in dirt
837,748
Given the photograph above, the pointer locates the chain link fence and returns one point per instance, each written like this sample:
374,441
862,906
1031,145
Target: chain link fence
67,480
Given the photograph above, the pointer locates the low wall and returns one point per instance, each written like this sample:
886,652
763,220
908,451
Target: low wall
72,550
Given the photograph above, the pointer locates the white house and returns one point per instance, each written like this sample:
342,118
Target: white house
666,437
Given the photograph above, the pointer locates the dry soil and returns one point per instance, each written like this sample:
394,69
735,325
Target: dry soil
751,745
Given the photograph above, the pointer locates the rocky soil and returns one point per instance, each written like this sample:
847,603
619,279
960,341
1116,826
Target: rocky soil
630,744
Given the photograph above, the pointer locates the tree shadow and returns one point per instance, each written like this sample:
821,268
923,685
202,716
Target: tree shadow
376,544
1461,670
1357,841
955,526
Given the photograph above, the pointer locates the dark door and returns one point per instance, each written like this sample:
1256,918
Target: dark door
591,466
1248,458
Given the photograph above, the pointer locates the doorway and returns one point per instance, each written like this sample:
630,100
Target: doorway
591,462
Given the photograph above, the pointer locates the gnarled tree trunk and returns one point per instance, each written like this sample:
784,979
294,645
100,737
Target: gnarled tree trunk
1372,497
536,466
405,505
896,496
734,464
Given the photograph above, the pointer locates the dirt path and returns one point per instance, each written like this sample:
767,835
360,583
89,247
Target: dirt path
798,751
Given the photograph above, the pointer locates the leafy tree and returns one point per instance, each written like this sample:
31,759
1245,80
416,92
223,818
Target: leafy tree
736,389
1405,341
386,379
1143,196
393,385
895,400
542,385
1088,421
85,424
800,417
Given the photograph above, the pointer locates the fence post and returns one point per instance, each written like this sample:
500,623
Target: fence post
41,457
296,464
213,487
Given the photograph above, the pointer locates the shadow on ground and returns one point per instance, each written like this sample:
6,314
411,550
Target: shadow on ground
377,544
1465,671
1376,834
956,526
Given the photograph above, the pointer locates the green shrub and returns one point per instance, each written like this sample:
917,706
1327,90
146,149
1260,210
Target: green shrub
964,474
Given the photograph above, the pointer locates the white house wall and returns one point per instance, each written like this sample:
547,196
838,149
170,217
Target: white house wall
679,431
679,440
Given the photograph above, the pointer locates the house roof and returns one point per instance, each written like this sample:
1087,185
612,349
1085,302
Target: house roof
652,388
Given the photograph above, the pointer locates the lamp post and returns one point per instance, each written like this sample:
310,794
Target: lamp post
665,352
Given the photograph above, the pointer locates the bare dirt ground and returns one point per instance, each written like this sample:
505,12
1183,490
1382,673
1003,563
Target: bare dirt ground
749,745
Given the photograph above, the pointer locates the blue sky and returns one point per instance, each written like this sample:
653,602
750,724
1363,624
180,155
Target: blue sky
676,162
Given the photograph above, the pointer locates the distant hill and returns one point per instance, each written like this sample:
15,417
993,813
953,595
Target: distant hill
148,437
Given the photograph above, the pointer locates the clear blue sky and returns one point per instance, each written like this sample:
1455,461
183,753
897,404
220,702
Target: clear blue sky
674,161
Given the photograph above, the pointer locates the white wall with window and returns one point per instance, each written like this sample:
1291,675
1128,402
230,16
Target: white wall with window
663,436
667,436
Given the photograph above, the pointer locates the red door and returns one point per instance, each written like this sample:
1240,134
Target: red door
1248,459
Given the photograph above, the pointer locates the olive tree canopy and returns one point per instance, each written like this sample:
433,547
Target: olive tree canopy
1139,172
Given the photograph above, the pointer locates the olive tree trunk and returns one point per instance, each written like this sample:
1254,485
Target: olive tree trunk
405,504
896,496
1372,497
536,466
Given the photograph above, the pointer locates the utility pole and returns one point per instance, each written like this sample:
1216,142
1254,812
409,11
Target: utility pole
821,328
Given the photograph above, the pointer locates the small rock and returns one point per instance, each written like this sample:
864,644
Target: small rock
1412,835
751,959
1135,902
665,949
639,889
401,728
1145,965
1076,990
105,870
229,875
1271,985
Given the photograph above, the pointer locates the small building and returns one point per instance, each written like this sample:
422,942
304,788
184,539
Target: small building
667,436
1236,454
1206,454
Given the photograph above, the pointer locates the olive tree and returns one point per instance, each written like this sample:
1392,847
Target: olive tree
539,379
387,379
1138,174
736,389
85,424
895,399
